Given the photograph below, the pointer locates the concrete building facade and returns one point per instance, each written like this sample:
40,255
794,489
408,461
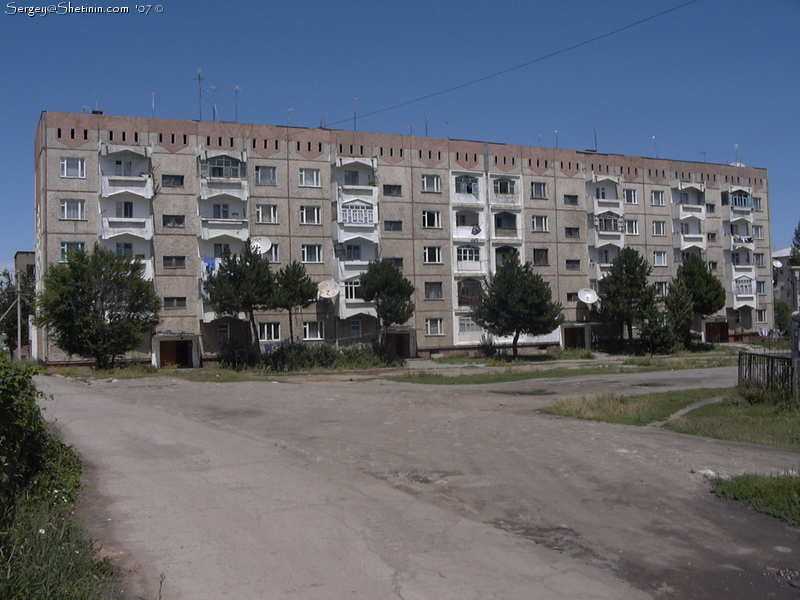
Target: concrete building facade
177,193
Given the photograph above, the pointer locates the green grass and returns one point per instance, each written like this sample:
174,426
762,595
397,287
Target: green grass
502,376
631,410
776,495
44,554
740,421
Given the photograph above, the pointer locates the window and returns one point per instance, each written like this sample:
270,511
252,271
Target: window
351,177
266,175
172,181
684,198
539,223
761,288
572,232
572,296
355,329
431,219
433,290
352,252
173,221
434,326
683,229
608,223
736,258
393,226
124,209
761,315
73,167
662,288
631,227
312,253
266,213
467,325
222,166
711,208
659,258
223,333
571,199
310,215
711,236
758,232
221,249
310,178
538,189
173,302
657,198
73,210
274,253
313,330
220,211
468,254
397,263
352,289
600,193
67,247
466,184
504,187
392,190
174,262
573,265
469,290
630,196
758,205
659,228
123,168
758,259
432,255
269,332
712,265
431,183
540,257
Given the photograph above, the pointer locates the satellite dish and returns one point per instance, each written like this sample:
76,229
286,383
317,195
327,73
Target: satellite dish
261,244
777,264
587,296
327,289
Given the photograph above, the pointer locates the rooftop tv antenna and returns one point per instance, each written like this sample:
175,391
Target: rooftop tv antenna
289,117
426,125
704,155
236,89
556,138
152,104
355,98
594,131
97,97
322,121
655,145
200,91
214,101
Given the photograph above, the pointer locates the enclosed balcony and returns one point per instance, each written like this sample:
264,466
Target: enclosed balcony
468,259
743,292
607,231
356,218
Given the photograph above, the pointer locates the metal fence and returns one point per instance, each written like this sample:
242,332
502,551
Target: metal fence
766,371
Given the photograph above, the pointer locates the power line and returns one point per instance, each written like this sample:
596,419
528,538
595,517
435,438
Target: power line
523,65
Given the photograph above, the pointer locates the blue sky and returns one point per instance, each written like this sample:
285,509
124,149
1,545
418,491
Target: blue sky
703,78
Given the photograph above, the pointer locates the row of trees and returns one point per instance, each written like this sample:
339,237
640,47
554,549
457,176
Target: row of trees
98,306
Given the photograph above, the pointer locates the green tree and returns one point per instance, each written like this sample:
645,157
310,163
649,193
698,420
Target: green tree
8,294
794,258
294,290
516,300
655,331
242,284
97,305
384,284
783,317
627,296
708,294
680,312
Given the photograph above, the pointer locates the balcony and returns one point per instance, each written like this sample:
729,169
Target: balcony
685,241
214,228
737,213
140,185
683,211
598,271
115,226
739,242
599,238
506,233
743,293
601,205
348,193
463,199
222,186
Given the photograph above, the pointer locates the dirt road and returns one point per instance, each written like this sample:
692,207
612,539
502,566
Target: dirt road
371,489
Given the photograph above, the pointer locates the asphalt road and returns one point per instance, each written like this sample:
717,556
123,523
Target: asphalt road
326,488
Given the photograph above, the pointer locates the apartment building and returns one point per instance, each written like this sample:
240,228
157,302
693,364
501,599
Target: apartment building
176,194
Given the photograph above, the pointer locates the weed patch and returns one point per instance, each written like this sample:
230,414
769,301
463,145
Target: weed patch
776,495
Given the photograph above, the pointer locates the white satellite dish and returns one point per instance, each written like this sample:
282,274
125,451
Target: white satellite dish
587,296
777,264
261,244
327,289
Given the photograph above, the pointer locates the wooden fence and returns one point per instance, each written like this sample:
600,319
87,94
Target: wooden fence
766,371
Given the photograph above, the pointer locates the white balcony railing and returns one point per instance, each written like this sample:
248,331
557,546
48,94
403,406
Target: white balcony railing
684,241
603,205
683,211
599,238
116,226
140,185
737,213
214,228
214,186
